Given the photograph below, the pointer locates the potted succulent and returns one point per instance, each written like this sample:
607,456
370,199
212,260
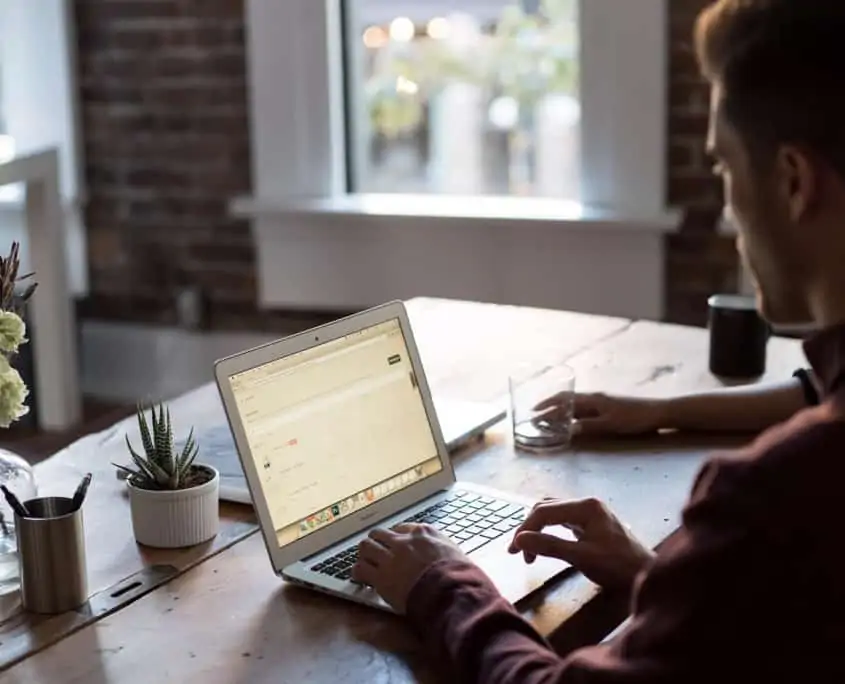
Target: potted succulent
174,502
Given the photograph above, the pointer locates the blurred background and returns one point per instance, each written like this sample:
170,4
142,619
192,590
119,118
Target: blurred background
160,111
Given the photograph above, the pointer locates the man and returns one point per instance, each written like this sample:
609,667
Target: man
751,589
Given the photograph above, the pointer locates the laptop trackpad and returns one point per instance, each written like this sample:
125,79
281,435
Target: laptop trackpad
513,577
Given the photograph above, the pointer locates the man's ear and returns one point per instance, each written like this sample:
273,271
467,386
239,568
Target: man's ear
797,181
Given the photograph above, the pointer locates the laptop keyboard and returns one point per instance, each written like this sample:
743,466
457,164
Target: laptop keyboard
468,519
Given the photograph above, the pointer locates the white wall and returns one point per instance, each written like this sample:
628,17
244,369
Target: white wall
349,261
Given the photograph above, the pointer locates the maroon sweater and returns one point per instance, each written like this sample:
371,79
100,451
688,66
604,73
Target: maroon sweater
752,589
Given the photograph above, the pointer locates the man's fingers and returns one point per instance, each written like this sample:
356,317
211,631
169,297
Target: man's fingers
387,538
577,513
533,544
409,528
587,405
373,551
591,426
365,573
584,404
549,403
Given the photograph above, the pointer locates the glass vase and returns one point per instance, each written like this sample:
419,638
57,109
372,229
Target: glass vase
19,478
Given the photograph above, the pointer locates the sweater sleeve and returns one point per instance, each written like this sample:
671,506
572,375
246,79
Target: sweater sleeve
704,605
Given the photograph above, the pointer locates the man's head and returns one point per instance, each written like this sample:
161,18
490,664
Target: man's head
777,133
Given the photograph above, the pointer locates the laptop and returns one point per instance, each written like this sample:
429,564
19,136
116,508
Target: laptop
337,434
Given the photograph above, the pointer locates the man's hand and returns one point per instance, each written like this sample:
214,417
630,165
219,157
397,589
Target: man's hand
604,551
601,414
392,561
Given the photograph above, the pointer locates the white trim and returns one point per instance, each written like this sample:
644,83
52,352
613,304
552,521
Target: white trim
41,106
56,362
40,90
624,64
555,214
13,228
294,77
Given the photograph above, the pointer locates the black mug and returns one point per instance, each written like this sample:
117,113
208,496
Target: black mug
738,337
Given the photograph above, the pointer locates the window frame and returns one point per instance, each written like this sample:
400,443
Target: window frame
296,76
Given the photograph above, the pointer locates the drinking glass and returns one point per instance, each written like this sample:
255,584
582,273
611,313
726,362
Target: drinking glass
549,428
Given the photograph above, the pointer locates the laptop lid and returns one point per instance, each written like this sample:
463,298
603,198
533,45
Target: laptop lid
335,429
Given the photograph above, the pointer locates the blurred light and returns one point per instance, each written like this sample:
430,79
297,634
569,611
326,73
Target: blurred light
406,86
464,31
439,28
375,37
402,30
504,113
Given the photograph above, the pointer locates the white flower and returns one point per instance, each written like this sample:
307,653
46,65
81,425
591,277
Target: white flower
12,331
13,393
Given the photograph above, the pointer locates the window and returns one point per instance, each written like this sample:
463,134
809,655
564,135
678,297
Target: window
303,83
476,97
327,239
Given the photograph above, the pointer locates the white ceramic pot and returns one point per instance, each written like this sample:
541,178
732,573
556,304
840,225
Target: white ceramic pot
172,519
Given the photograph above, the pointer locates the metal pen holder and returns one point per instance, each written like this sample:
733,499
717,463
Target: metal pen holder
51,556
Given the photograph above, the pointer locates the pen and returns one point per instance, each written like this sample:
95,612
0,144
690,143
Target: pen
81,490
16,505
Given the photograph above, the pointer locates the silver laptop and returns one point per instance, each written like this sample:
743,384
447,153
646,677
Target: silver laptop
337,434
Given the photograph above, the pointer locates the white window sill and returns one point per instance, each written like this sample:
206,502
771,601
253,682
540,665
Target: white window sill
496,210
12,201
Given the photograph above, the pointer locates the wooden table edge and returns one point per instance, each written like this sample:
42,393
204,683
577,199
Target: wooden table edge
105,602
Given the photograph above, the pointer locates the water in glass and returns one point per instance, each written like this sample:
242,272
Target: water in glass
542,428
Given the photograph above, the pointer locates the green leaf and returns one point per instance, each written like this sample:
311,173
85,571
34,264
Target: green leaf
188,456
131,473
160,435
142,464
185,456
168,459
145,434
161,476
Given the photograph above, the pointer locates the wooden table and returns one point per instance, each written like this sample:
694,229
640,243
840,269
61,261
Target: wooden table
216,613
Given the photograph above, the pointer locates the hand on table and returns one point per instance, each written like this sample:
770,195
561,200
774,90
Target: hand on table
605,551
392,561
601,414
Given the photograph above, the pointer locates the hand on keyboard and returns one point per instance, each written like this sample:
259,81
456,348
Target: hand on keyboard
470,520
392,561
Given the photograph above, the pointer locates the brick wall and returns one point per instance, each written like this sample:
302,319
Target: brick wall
699,262
165,125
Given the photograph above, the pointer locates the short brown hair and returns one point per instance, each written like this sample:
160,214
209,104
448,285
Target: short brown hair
781,67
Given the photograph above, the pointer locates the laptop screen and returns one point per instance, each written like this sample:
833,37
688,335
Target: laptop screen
335,428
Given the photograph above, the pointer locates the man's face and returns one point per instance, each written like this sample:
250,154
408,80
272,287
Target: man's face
760,204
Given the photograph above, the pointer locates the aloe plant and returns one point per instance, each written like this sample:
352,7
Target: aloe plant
161,466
